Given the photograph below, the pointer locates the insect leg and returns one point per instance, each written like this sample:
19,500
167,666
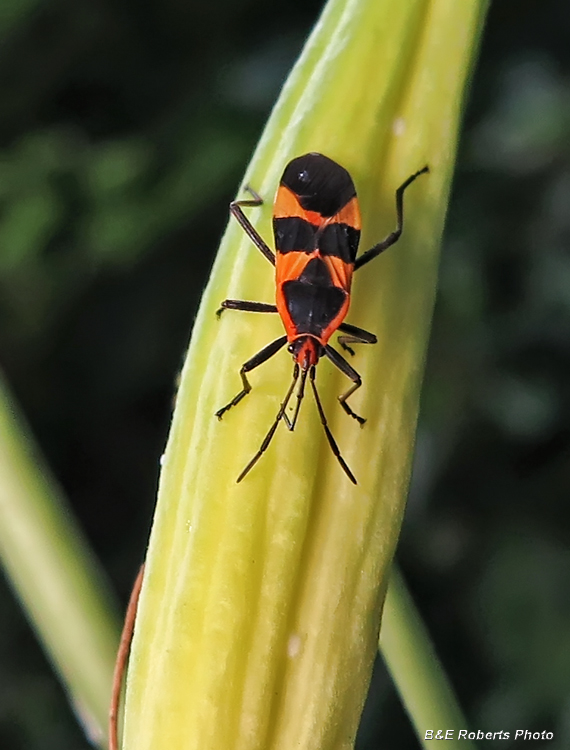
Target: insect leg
340,362
267,439
395,235
246,306
247,226
258,359
355,336
121,661
330,438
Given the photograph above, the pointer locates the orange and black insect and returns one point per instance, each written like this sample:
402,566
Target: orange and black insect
316,223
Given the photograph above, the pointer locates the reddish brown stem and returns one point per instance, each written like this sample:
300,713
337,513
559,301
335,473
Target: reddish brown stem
122,658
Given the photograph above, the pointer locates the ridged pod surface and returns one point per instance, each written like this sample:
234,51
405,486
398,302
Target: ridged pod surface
259,616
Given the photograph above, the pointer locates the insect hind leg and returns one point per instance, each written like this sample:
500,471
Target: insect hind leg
247,226
394,236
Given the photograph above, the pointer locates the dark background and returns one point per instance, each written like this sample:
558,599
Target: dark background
124,129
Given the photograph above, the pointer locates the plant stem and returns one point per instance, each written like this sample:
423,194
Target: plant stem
417,672
54,574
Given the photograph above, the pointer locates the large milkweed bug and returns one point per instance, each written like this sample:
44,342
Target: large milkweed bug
316,223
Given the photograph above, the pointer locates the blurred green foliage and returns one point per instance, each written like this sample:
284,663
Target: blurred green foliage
124,129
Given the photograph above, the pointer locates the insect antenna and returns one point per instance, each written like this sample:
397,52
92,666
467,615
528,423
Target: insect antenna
280,414
300,395
332,442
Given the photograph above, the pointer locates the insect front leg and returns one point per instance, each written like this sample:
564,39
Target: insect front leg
258,359
340,362
269,437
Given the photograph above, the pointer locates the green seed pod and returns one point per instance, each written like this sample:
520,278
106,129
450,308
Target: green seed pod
260,610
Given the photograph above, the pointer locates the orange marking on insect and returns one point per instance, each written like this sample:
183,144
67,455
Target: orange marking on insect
316,224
